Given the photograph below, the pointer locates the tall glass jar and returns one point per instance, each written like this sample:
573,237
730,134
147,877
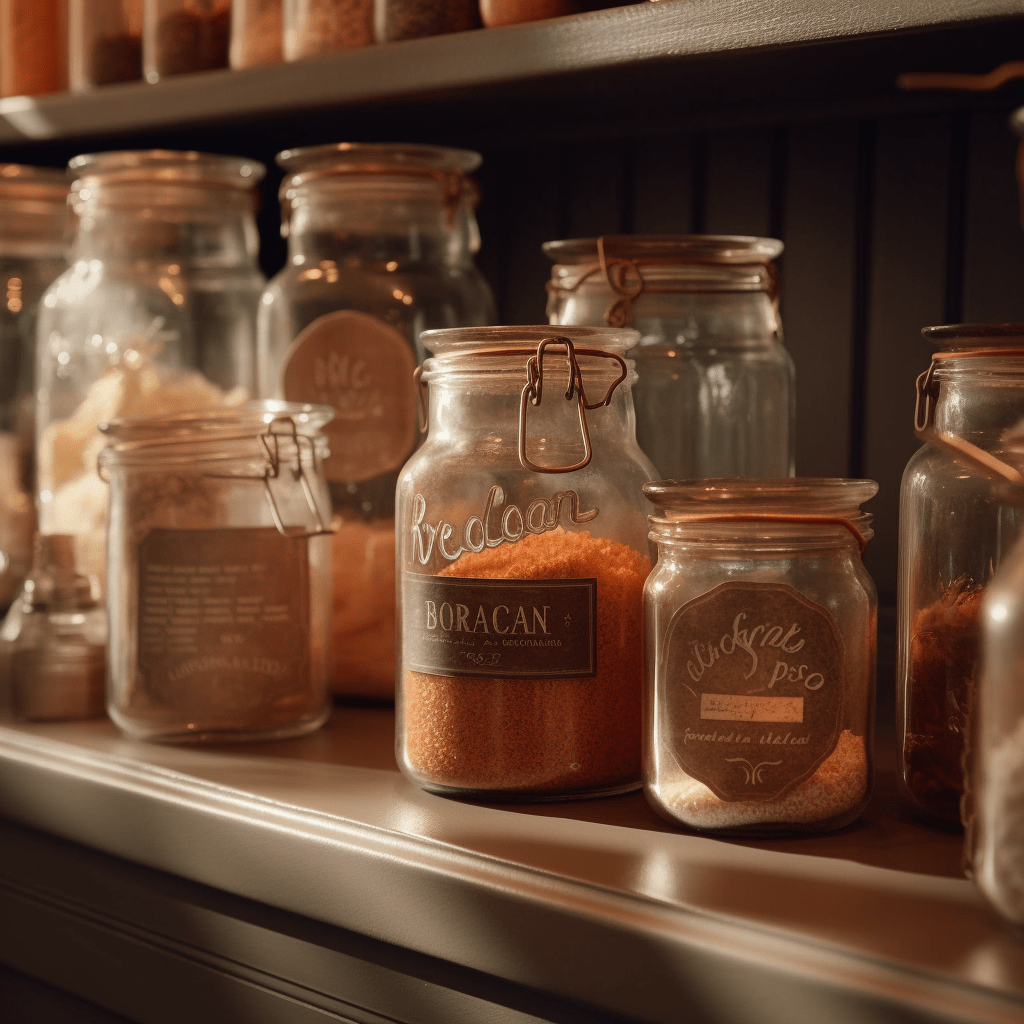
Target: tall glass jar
523,553
715,395
256,33
380,247
33,230
219,573
184,36
104,42
155,315
760,626
33,47
954,532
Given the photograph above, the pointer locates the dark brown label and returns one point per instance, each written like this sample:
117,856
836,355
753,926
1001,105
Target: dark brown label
223,616
363,368
515,629
755,686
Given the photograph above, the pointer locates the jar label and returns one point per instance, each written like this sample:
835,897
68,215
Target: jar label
223,617
755,688
362,368
498,628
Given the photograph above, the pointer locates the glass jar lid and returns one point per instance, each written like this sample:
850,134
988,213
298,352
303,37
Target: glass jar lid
967,338
654,249
486,341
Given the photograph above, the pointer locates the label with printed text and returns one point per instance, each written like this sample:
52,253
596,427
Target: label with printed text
755,687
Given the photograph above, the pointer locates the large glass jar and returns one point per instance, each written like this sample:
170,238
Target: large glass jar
156,314
760,626
33,229
523,553
954,532
380,247
219,573
715,395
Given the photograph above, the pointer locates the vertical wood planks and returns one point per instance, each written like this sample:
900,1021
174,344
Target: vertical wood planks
663,185
738,183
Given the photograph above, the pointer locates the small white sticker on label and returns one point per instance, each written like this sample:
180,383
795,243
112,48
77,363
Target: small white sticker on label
727,707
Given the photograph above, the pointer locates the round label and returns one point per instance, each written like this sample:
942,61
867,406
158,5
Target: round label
363,368
754,688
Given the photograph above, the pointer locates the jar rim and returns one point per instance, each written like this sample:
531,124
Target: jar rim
176,167
784,496
466,340
722,249
393,155
37,185
965,337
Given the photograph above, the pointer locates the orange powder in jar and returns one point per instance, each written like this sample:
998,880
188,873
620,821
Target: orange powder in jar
541,738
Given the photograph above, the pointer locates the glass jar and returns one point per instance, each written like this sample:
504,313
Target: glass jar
184,36
716,390
315,27
412,19
155,315
33,47
256,33
220,573
104,42
380,247
523,555
954,532
33,227
760,626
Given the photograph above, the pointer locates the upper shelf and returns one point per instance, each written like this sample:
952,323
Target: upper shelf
676,58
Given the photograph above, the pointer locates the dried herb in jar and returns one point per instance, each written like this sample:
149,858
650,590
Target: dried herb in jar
115,58
192,40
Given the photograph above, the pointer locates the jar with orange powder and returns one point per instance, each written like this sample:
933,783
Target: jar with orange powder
522,552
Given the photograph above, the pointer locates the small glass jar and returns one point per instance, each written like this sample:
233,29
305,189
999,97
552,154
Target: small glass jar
184,36
104,42
715,395
760,626
523,553
954,532
256,33
413,19
380,247
316,27
156,314
219,573
33,47
33,229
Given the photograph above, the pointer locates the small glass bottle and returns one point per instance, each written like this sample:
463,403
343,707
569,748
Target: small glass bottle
954,532
256,33
33,47
760,626
33,229
219,573
316,27
104,42
156,314
413,19
715,395
523,553
53,639
184,36
380,247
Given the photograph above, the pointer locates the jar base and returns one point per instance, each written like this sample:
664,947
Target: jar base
505,796
206,736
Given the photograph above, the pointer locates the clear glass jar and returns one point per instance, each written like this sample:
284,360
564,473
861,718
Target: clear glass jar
380,247
156,314
760,626
413,19
716,390
523,554
256,33
315,27
33,230
33,47
104,42
220,573
954,532
180,37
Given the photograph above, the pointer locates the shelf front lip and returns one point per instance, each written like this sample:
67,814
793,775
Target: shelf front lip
437,895
665,31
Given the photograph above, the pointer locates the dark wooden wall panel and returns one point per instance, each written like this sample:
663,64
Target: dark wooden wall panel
663,183
738,183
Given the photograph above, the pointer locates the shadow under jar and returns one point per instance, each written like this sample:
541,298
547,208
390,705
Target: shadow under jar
522,551
715,395
760,627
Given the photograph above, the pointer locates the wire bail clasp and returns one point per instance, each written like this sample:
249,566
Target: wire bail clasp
534,390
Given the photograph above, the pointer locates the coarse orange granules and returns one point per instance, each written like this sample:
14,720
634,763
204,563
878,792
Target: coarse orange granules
540,737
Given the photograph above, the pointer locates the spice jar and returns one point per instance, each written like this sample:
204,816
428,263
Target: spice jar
315,27
760,625
523,554
380,246
33,47
256,33
716,390
412,19
954,532
156,314
33,223
104,42
183,36
220,573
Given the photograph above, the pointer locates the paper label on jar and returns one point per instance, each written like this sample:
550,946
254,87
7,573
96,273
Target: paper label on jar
223,617
509,629
362,368
754,688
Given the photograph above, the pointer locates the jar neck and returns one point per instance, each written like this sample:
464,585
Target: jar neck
979,398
